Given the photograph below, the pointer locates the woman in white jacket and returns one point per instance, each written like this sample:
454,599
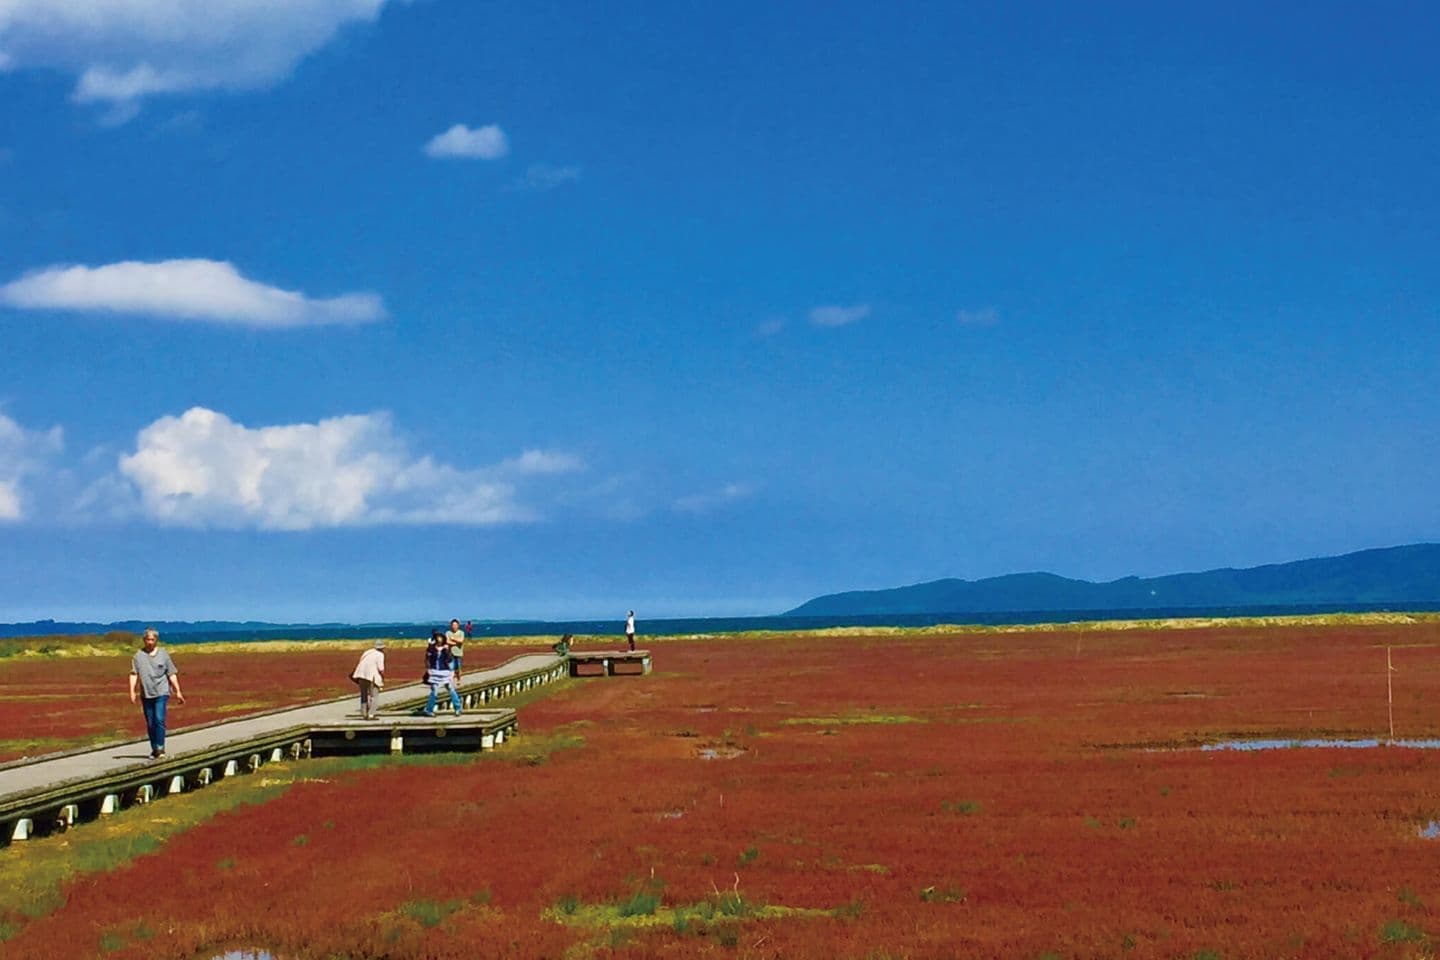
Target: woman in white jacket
370,675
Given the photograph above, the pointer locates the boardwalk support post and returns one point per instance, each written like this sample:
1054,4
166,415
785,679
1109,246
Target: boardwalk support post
110,804
397,743
24,827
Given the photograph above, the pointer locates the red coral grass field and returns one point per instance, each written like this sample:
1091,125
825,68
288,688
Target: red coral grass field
52,703
970,794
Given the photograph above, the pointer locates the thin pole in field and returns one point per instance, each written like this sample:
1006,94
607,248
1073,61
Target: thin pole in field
1390,692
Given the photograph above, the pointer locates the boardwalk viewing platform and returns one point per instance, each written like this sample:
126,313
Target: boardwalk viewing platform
42,795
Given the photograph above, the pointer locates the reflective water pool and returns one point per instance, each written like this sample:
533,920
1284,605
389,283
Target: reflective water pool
1320,744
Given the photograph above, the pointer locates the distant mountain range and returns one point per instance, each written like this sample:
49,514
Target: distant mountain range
1390,575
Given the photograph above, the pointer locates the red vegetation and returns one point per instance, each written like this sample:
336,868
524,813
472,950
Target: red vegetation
1018,812
59,703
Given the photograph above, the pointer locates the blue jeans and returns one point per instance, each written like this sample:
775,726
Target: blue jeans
435,692
154,708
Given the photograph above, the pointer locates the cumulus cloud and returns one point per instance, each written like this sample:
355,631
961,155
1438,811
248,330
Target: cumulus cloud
208,291
834,316
122,51
984,317
24,455
204,470
485,143
705,502
542,176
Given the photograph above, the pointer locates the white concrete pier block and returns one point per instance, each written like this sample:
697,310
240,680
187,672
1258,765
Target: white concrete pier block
397,743
24,827
231,768
204,777
110,804
177,785
253,762
144,793
487,741
277,755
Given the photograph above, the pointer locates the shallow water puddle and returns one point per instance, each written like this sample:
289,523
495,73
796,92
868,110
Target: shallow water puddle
1319,744
719,753
1431,830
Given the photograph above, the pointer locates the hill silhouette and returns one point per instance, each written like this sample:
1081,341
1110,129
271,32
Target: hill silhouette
1387,575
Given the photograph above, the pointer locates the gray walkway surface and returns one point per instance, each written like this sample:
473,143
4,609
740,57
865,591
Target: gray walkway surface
28,777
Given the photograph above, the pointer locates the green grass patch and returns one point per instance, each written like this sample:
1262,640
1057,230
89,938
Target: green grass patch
538,749
36,746
642,903
852,719
963,807
429,913
1398,931
937,894
243,705
645,911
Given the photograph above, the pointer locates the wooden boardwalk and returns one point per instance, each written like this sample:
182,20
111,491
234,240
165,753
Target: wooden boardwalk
54,792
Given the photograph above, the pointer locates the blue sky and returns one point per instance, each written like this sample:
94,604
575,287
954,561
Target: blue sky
356,309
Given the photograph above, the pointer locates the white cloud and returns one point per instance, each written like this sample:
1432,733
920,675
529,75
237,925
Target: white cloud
203,470
125,50
542,176
833,316
984,317
24,454
208,291
705,502
543,462
9,501
485,143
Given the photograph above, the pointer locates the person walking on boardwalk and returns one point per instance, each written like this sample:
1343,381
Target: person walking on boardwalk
369,673
152,677
630,629
439,672
456,638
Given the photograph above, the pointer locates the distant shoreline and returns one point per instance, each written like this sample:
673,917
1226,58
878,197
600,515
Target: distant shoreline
209,631
73,645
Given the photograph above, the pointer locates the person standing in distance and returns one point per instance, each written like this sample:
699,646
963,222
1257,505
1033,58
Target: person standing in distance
630,629
456,638
369,673
152,677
